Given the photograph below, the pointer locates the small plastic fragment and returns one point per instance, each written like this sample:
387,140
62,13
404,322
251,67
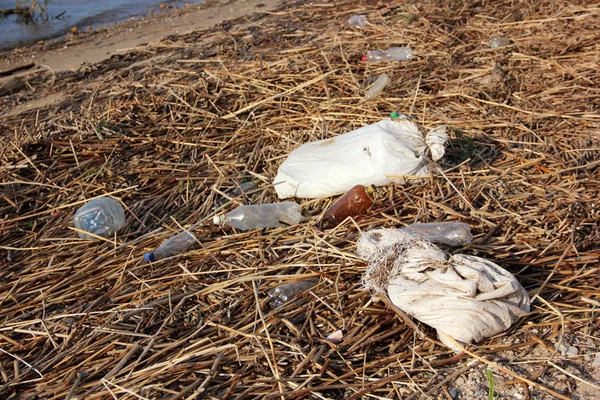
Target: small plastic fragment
382,81
174,245
257,216
288,291
357,20
403,53
499,41
335,337
243,188
103,217
356,201
496,77
448,233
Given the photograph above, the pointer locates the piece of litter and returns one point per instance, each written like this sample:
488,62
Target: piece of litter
498,41
463,297
357,21
382,81
376,154
448,233
335,337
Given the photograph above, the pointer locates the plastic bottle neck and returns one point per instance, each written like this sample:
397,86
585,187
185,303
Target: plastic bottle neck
219,220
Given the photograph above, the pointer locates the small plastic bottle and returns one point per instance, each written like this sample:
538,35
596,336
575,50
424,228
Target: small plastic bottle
258,216
382,81
356,201
102,217
357,20
448,233
174,245
392,54
288,291
499,41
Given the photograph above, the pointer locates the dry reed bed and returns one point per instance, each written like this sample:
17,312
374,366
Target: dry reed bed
171,128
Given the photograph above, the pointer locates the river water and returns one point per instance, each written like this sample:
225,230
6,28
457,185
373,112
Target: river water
79,13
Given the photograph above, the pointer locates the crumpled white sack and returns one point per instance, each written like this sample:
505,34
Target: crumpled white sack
465,297
376,154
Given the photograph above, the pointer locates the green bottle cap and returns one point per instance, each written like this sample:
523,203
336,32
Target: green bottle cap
394,115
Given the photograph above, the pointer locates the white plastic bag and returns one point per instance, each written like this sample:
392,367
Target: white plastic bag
465,297
376,154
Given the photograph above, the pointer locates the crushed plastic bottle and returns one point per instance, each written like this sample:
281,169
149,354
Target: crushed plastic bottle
271,215
103,217
448,233
357,20
392,54
283,293
174,245
499,41
382,81
356,201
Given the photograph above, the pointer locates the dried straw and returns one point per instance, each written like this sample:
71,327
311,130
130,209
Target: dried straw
171,129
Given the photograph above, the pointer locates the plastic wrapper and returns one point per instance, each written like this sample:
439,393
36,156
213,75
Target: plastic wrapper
463,297
376,154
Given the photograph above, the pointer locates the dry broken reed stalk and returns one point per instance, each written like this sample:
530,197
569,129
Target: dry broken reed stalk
172,128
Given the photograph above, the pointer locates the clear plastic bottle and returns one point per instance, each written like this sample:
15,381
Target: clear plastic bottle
382,81
174,245
103,217
357,20
288,291
258,216
392,54
356,201
448,233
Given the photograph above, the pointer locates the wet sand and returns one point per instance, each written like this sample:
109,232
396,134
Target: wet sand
70,52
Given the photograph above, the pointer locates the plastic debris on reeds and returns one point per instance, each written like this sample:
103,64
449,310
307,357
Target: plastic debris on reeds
173,128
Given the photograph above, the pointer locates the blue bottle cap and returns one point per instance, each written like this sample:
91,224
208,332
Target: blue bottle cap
149,257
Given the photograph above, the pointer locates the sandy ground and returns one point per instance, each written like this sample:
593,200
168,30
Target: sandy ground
95,46
74,50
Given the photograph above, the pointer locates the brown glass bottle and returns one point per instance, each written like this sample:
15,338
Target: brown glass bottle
357,201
